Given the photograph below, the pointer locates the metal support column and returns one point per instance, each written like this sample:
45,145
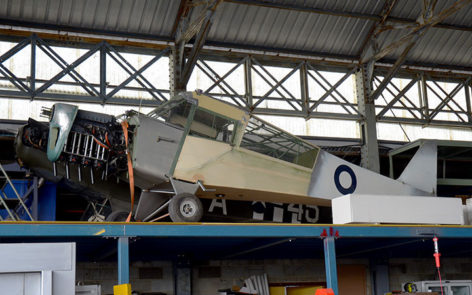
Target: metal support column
304,89
424,98
380,277
103,73
123,260
330,263
248,81
174,72
34,206
467,101
368,128
183,276
33,65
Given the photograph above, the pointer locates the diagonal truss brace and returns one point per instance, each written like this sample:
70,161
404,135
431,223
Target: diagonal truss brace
371,53
449,98
397,99
27,86
198,29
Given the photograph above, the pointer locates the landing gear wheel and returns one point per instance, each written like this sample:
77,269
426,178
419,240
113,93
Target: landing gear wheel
117,216
185,207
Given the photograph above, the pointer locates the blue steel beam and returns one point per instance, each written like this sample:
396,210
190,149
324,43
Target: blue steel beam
61,229
123,260
330,264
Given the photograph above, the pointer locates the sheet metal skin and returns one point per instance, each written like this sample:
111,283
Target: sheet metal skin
155,145
329,171
241,174
63,117
421,171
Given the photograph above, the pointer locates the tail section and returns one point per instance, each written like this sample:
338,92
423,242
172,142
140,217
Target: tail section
333,177
421,171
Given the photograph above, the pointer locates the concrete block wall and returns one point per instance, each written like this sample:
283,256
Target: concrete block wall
209,276
105,274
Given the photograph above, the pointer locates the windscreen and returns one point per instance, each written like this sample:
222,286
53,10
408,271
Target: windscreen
266,139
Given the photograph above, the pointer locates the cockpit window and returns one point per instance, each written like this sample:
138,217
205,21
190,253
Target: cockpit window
210,125
174,111
204,124
266,139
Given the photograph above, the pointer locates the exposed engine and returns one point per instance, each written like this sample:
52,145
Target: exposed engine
95,141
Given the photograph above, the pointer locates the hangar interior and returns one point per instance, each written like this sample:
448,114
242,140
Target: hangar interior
368,81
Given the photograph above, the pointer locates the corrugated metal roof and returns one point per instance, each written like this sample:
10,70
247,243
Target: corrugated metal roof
260,26
126,16
285,29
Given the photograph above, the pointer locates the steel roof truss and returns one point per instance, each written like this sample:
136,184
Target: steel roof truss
185,31
67,69
371,52
334,87
449,98
218,80
135,74
233,96
331,89
96,92
278,84
397,98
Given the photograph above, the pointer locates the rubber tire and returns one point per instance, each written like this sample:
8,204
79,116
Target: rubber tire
176,202
117,216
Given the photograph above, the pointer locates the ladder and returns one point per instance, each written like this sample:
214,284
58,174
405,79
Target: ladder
8,203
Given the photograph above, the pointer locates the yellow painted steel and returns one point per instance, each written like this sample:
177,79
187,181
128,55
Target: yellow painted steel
99,232
234,224
123,289
277,290
308,290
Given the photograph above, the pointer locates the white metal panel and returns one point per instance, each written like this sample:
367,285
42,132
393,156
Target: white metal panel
396,209
20,283
36,257
44,260
46,283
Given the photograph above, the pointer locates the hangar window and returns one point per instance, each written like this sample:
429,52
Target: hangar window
266,139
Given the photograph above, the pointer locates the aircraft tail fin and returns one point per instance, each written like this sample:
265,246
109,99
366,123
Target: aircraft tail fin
332,177
421,171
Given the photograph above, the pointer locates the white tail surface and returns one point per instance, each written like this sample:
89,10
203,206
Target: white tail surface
333,177
421,171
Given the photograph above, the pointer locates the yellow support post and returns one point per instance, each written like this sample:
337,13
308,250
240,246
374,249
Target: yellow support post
123,289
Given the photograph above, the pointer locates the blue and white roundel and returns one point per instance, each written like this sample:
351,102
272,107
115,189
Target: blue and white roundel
345,190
